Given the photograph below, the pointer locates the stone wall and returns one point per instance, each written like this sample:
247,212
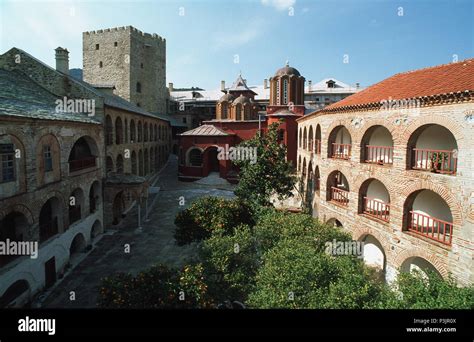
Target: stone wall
125,56
399,245
37,187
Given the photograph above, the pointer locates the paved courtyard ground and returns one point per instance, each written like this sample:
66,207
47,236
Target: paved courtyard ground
151,245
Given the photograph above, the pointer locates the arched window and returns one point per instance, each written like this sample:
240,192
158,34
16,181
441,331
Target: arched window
195,157
278,91
285,91
238,112
224,110
132,131
140,132
118,131
109,131
126,132
134,163
247,112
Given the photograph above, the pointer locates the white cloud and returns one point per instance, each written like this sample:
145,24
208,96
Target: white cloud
280,5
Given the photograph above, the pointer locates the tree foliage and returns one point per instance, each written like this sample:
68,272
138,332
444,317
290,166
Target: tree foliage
210,214
271,175
428,290
157,287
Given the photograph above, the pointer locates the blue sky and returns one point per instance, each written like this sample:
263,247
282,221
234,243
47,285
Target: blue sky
313,35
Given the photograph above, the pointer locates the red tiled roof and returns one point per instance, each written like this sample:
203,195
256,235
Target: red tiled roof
441,79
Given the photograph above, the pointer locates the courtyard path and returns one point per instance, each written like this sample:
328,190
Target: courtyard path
153,244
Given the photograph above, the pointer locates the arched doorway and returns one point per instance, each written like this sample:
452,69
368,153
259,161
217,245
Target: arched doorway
17,295
50,219
212,160
13,227
96,230
333,222
78,245
419,265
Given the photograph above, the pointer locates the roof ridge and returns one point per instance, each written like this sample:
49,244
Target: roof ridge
469,60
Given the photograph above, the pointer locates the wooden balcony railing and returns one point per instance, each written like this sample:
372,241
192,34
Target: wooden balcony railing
379,154
80,164
376,208
340,196
317,146
440,161
341,151
431,227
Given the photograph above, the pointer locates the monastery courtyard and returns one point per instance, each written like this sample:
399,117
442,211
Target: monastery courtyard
153,244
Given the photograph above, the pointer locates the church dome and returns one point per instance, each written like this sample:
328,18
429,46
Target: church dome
227,97
287,70
241,99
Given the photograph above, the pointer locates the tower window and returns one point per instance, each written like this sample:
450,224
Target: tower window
285,91
115,44
48,158
138,104
224,111
139,87
278,91
97,46
141,65
101,64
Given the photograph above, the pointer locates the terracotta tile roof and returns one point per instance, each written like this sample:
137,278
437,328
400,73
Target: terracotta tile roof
206,130
441,79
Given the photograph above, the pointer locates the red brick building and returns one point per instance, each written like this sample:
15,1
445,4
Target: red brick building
392,165
238,119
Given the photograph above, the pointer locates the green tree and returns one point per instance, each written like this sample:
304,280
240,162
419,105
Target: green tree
295,275
157,287
209,215
271,175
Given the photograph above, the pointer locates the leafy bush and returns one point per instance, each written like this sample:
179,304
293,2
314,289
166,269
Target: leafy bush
416,290
157,287
210,215
273,226
295,275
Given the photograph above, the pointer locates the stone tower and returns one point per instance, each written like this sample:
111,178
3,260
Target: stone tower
133,61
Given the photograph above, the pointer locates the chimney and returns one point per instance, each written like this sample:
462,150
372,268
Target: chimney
310,85
170,87
62,60
222,85
265,84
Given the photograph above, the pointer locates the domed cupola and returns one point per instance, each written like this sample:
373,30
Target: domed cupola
226,98
287,70
287,87
241,99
